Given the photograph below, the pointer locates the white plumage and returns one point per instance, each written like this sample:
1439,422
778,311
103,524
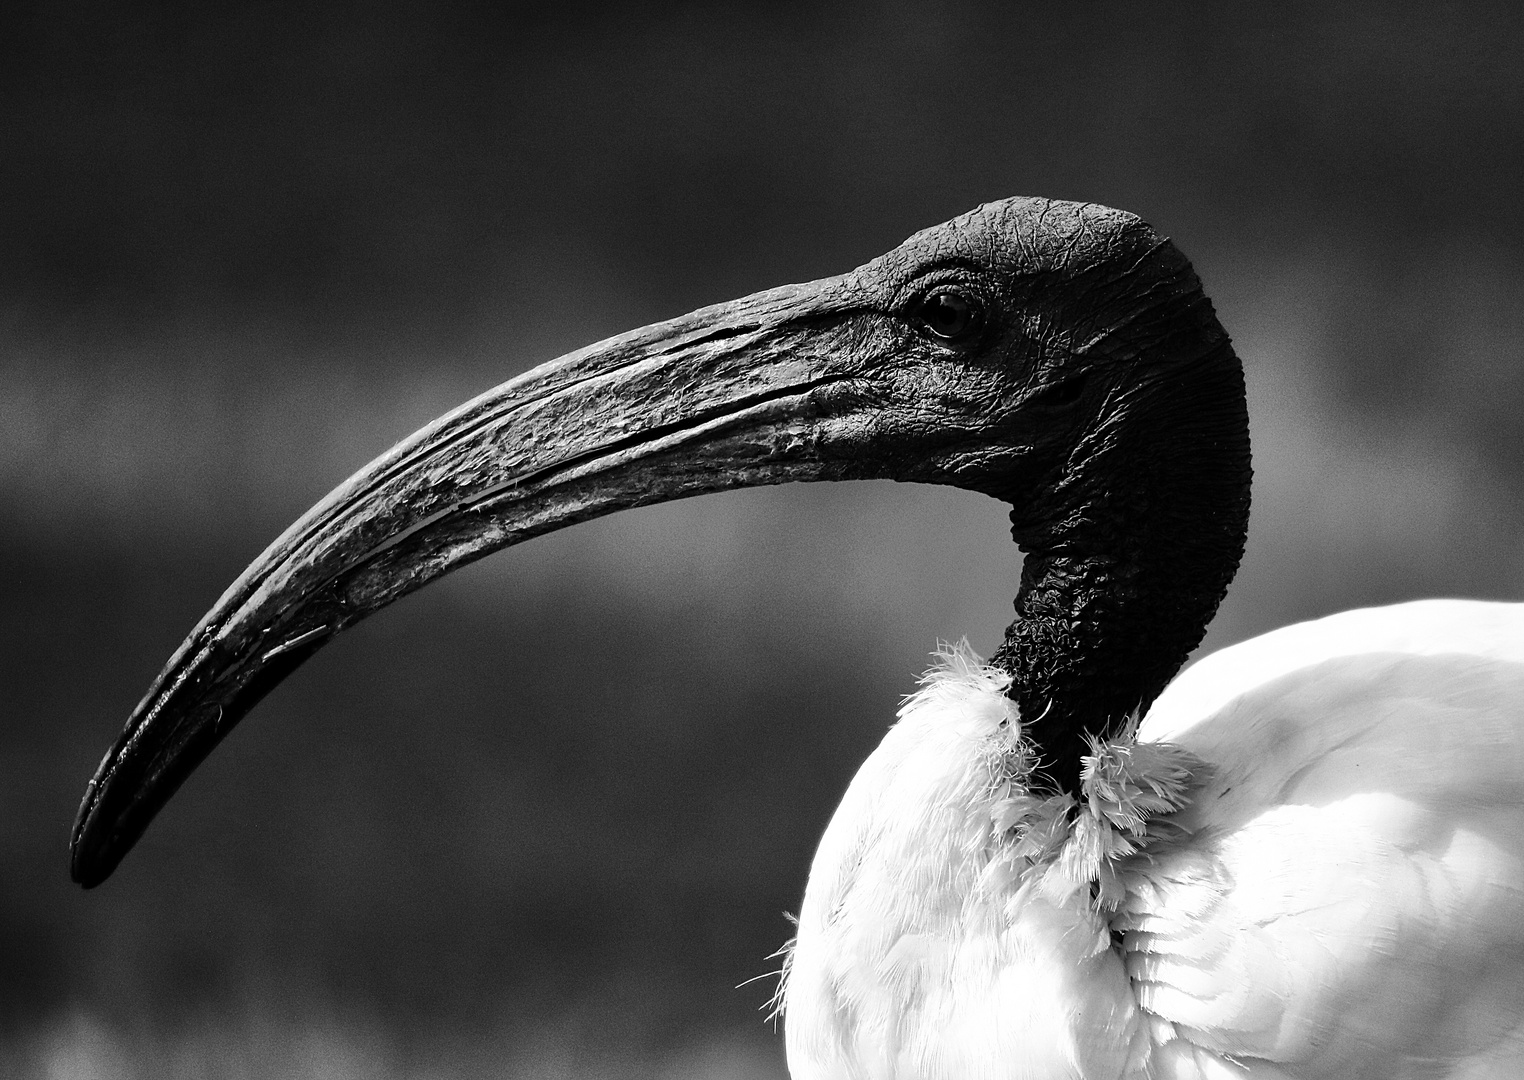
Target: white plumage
1338,892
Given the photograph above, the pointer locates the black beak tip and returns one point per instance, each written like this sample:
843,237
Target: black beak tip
90,860
104,831
116,810
160,748
88,870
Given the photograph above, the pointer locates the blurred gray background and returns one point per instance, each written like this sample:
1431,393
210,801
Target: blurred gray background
542,818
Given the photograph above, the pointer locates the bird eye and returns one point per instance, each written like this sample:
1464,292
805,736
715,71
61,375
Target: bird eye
950,315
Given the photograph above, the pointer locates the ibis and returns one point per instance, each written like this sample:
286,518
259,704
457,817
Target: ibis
1303,857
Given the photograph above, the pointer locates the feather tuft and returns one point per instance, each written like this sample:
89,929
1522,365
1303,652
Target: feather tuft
1128,791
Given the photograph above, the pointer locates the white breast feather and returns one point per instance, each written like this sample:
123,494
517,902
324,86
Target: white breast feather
1340,892
927,945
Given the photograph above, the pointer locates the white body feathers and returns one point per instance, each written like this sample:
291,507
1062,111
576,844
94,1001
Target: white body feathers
1310,864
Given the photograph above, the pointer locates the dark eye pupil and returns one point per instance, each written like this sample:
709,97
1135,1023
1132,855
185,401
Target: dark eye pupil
948,314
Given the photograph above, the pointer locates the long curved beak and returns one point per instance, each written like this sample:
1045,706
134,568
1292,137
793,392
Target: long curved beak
730,396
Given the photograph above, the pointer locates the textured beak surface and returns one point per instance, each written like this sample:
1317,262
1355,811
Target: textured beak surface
729,396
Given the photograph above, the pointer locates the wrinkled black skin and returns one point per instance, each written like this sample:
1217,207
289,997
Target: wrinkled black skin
1129,473
1095,392
1122,576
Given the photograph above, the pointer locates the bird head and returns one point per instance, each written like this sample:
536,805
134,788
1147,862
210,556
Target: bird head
1059,356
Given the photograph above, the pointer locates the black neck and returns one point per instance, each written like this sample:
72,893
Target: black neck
1129,556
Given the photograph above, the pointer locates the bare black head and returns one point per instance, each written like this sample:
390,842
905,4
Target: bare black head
1059,356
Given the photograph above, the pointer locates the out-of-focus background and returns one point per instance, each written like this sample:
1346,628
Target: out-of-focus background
542,818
